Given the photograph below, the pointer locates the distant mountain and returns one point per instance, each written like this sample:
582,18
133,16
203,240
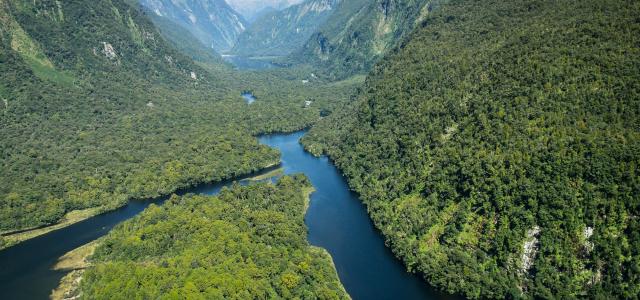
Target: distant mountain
184,41
261,13
282,32
359,33
213,22
251,9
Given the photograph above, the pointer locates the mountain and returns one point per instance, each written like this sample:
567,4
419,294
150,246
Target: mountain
497,148
184,41
358,34
213,22
261,13
250,9
281,32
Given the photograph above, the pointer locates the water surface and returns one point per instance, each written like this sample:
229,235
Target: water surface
338,222
250,63
249,97
25,269
336,219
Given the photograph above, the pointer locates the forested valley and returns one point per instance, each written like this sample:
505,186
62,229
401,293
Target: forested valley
98,109
495,145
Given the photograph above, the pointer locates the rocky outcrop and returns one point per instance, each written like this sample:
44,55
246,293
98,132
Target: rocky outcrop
529,250
108,51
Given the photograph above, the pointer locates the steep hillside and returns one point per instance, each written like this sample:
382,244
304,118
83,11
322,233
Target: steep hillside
358,34
498,148
247,243
181,39
213,22
281,32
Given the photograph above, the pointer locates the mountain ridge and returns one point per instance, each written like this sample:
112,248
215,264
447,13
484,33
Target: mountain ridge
359,34
213,22
281,32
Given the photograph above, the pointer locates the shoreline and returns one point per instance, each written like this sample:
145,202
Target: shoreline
75,262
15,237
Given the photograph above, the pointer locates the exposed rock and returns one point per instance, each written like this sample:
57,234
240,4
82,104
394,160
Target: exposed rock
109,51
150,104
529,250
212,22
194,76
587,234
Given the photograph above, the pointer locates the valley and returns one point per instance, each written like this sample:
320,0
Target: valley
319,149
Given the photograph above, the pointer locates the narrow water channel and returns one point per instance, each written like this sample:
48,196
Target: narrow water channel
339,222
336,219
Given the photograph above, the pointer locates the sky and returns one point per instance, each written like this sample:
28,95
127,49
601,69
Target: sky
249,7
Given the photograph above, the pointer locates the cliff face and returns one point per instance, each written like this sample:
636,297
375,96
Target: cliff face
212,22
281,32
359,33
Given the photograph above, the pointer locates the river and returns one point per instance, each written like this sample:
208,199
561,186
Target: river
336,219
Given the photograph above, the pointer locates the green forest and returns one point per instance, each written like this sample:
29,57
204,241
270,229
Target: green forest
497,148
98,109
495,144
246,243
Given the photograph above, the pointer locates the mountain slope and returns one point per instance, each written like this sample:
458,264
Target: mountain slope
213,22
251,9
184,41
98,109
498,149
281,32
359,34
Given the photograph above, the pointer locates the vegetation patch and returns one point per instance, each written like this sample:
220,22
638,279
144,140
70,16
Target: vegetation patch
248,242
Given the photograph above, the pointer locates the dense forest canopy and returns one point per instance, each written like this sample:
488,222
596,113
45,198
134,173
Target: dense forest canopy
96,109
498,148
495,144
247,243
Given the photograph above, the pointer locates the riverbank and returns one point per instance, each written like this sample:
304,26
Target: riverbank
10,239
75,261
72,217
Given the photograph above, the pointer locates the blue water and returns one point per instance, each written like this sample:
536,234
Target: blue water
249,63
249,97
25,269
338,222
336,219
